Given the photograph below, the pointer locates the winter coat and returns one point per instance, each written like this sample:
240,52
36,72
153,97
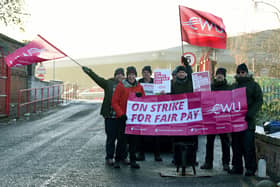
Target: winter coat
121,94
181,86
142,81
254,98
220,85
108,86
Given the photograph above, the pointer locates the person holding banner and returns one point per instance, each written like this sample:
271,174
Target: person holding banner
147,83
123,90
243,143
219,83
112,124
183,84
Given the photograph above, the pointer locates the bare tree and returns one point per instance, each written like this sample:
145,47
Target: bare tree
12,12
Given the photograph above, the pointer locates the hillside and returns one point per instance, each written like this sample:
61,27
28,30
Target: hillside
259,50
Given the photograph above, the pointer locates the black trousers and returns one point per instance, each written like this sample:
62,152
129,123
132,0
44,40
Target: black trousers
154,141
210,148
243,144
130,140
112,129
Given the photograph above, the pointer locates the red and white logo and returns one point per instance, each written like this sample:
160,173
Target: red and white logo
191,59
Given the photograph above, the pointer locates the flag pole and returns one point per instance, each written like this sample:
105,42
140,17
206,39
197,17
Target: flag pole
74,61
182,46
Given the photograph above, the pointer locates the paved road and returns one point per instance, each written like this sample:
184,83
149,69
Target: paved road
65,147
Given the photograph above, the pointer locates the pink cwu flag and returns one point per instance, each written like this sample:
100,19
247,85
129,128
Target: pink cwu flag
38,50
202,28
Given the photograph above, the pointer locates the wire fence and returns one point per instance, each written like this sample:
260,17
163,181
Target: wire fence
270,93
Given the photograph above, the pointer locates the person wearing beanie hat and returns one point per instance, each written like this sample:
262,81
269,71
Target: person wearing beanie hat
154,141
119,71
183,84
243,143
111,122
123,90
131,69
219,83
222,71
242,68
147,68
181,68
146,75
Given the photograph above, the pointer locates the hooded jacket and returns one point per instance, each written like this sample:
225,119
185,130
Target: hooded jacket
121,94
254,98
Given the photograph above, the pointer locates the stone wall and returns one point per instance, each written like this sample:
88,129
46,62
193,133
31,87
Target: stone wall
269,147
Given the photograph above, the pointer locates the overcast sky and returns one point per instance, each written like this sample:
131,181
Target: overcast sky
89,28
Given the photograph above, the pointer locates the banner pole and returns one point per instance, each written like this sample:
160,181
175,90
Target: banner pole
182,45
74,61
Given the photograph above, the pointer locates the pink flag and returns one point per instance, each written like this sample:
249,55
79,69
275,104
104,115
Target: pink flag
202,28
38,50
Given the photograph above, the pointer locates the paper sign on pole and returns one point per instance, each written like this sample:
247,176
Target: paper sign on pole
201,81
162,81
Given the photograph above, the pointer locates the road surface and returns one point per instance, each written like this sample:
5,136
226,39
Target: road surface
65,147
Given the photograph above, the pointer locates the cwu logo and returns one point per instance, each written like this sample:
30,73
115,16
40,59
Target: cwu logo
193,21
225,108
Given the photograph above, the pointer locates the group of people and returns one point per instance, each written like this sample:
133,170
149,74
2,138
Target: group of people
117,90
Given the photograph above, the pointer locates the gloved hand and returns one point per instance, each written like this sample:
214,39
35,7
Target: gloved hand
138,94
123,118
86,69
185,61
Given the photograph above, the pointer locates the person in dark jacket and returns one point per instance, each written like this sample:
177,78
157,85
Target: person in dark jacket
183,84
112,123
243,143
219,83
119,102
154,140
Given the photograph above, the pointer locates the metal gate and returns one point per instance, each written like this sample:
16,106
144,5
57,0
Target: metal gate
4,86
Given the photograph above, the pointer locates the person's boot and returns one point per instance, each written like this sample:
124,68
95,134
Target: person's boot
236,171
140,157
206,166
226,167
133,164
125,161
117,164
109,162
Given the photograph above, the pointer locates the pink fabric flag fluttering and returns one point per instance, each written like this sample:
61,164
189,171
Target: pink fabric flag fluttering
38,50
202,28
